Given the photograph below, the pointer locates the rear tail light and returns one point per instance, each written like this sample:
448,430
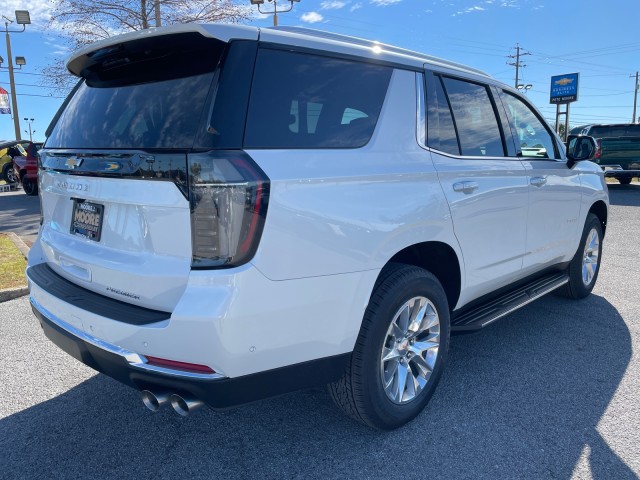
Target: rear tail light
598,151
229,195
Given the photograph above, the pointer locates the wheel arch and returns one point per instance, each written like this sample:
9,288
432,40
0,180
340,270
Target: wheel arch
439,259
599,209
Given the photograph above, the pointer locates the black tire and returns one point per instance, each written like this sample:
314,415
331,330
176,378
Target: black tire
581,283
625,180
8,174
30,187
360,393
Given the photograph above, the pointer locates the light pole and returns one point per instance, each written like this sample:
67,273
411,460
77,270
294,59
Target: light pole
275,10
31,132
524,88
22,18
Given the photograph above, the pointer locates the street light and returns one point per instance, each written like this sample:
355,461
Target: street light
524,88
275,10
31,132
22,18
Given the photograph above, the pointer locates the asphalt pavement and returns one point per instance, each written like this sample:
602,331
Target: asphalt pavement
20,213
551,391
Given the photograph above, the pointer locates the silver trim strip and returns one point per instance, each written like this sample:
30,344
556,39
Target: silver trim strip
543,292
134,359
421,114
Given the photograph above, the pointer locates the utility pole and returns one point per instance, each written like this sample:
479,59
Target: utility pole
518,64
634,119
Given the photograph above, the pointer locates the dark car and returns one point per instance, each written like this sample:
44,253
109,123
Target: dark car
25,168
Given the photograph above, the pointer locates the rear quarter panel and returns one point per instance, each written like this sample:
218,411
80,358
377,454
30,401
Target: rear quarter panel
348,210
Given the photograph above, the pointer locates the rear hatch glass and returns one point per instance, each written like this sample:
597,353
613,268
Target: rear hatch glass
143,94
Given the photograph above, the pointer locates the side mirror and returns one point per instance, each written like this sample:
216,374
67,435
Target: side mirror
581,147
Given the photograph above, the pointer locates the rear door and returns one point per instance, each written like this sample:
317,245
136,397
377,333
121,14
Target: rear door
486,188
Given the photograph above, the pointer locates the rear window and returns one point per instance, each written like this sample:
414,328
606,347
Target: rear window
301,100
143,94
615,131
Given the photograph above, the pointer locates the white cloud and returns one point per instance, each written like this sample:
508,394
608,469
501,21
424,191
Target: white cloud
469,10
384,3
332,4
312,17
39,11
355,7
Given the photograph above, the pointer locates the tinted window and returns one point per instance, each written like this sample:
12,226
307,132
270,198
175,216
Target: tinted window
532,137
615,131
152,115
441,133
145,93
307,101
475,119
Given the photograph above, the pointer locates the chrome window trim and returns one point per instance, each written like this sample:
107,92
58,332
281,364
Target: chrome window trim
421,112
134,359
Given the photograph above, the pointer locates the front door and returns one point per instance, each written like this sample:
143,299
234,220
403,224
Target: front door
554,188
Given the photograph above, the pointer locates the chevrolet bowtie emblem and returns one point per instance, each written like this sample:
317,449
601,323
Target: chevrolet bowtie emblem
73,162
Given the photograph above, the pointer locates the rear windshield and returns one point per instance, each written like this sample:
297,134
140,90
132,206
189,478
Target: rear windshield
143,95
615,131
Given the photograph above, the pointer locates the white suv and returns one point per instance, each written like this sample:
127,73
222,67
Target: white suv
231,213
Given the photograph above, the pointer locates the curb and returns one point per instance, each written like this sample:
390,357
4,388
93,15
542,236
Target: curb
13,293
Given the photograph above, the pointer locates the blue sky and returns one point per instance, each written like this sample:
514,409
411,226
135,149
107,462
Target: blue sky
601,43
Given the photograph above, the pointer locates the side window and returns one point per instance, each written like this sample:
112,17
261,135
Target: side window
532,137
441,132
300,100
475,119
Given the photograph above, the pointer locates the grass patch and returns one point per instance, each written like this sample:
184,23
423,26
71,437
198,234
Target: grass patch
12,265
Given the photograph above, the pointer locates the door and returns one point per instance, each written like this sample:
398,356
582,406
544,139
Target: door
554,188
487,190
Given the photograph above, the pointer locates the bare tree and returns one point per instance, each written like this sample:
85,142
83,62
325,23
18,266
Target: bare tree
85,21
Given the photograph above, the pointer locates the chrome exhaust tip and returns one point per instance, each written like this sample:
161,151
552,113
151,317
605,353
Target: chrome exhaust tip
153,401
184,405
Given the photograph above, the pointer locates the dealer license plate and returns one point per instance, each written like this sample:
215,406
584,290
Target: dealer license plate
86,220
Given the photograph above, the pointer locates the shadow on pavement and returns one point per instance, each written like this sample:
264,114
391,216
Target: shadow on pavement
521,399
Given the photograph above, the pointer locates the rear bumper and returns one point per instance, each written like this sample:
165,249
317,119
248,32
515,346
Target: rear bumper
616,171
215,390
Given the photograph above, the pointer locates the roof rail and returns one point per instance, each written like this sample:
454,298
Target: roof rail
386,47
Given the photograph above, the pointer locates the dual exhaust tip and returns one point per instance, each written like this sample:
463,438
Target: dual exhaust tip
182,404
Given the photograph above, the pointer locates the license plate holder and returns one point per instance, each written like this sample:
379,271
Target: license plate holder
86,219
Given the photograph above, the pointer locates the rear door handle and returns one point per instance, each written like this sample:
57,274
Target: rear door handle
537,181
465,187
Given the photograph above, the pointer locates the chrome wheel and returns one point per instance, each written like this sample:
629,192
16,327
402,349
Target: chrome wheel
410,350
590,257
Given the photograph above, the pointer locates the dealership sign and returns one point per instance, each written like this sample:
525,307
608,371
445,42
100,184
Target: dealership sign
564,88
4,101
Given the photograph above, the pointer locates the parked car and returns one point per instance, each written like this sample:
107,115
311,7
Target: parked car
618,148
8,151
26,169
284,208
